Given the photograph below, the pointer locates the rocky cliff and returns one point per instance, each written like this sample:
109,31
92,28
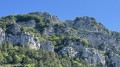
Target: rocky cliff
82,38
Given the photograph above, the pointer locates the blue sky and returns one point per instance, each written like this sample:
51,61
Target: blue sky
105,11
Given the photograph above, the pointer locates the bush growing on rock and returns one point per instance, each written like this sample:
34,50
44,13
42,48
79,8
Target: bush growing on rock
85,42
28,17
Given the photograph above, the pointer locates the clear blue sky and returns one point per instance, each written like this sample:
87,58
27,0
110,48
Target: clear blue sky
105,11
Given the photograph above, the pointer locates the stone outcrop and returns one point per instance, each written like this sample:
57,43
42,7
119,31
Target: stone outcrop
46,15
86,22
30,23
48,46
48,30
16,37
24,38
14,29
78,49
68,50
93,56
55,19
77,45
2,36
115,60
42,14
104,41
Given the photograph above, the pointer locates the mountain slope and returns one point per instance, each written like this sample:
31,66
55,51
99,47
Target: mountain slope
82,38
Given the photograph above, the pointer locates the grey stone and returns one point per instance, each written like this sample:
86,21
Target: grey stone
88,23
48,46
15,28
68,50
24,38
46,15
2,35
30,23
115,59
93,56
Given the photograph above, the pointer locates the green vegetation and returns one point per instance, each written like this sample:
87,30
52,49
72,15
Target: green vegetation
3,25
29,29
9,18
27,17
23,55
61,25
78,18
85,42
41,26
58,41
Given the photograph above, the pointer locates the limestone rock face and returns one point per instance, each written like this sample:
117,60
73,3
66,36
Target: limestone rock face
70,22
42,14
116,60
103,41
78,46
14,29
93,56
2,36
68,50
48,46
30,23
46,15
48,30
24,38
16,37
55,19
86,22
